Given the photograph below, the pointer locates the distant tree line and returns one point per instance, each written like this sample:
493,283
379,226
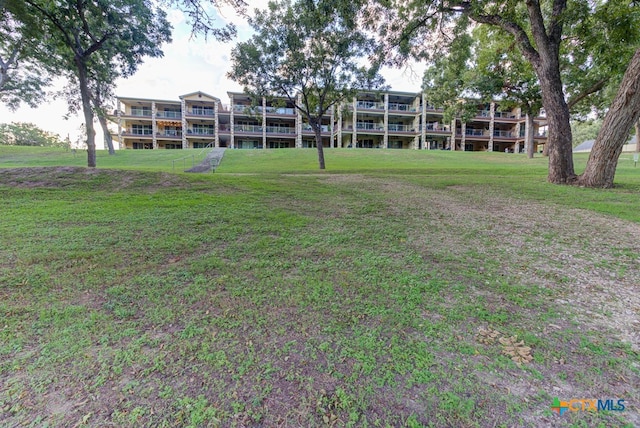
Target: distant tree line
28,134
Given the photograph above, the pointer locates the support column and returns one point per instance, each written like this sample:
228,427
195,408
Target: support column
232,128
452,143
423,125
354,136
516,146
216,124
331,122
463,131
492,117
385,138
298,122
183,120
154,126
264,123
119,114
339,126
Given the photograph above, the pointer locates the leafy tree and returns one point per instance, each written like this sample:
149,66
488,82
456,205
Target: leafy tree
22,77
92,36
28,134
308,52
583,130
542,31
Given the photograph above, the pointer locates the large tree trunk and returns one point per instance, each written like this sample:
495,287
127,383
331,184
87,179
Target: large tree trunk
559,140
638,136
108,140
317,128
528,136
622,115
88,112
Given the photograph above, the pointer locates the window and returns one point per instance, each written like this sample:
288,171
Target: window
248,144
172,146
199,145
365,144
202,111
141,129
142,146
171,112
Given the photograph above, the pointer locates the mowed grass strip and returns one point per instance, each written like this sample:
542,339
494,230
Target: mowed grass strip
272,294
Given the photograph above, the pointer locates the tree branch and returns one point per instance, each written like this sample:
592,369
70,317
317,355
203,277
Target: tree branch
584,94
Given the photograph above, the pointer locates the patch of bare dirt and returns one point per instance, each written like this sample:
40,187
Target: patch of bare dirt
67,176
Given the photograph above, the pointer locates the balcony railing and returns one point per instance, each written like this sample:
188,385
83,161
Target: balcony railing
400,128
280,130
434,126
140,113
200,131
169,114
248,128
505,115
140,131
307,127
476,132
504,134
370,105
169,133
369,126
401,107
279,110
201,112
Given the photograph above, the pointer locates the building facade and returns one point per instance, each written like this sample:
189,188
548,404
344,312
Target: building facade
386,120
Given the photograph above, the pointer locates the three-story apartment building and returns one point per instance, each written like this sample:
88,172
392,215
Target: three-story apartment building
386,120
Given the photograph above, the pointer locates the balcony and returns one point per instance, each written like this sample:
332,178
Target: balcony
401,128
308,128
144,132
140,113
169,133
279,110
200,131
365,126
437,127
401,107
503,134
473,132
169,115
370,105
504,115
254,129
280,130
201,112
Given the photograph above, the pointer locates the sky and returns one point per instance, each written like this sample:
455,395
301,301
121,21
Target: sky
188,65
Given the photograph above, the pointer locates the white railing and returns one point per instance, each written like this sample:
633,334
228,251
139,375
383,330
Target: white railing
369,126
199,131
400,128
171,114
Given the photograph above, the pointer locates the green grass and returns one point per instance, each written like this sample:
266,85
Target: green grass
271,293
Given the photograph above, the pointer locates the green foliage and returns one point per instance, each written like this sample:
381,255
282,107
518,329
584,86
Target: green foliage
585,130
94,42
307,51
28,134
23,78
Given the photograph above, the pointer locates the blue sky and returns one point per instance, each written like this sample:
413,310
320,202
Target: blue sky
188,65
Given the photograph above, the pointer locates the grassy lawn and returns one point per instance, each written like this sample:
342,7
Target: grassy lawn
396,288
